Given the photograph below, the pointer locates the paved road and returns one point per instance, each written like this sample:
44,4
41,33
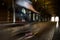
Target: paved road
41,30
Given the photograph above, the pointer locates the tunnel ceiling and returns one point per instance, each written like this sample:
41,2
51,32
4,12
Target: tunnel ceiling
48,5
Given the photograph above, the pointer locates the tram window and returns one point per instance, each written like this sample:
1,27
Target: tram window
33,16
30,14
20,14
36,16
39,18
23,10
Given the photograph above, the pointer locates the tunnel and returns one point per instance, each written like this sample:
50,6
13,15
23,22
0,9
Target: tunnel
29,20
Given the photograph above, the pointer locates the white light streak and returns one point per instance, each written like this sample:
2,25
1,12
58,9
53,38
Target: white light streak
26,4
57,20
53,19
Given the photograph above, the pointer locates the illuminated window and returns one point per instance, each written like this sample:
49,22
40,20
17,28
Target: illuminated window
24,11
34,17
37,17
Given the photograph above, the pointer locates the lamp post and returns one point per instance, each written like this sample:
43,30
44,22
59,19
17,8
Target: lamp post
14,20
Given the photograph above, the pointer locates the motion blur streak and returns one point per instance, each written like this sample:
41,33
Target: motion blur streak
26,4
